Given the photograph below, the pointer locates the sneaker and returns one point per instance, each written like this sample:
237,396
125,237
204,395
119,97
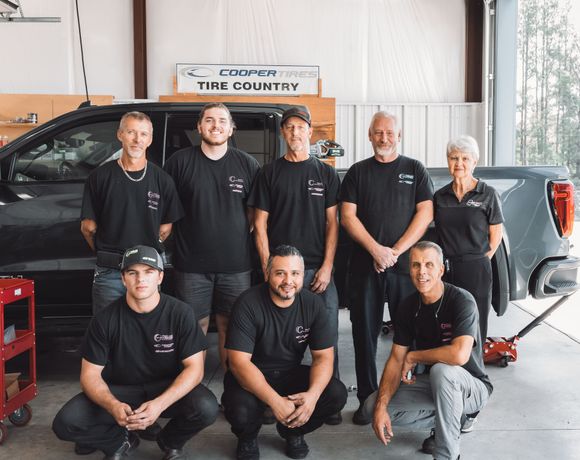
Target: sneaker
248,449
129,445
468,424
296,446
429,444
360,417
334,419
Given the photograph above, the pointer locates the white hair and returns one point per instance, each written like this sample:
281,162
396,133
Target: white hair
464,144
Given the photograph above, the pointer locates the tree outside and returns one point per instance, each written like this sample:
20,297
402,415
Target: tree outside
548,112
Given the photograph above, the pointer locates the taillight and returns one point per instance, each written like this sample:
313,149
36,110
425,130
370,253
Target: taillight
563,203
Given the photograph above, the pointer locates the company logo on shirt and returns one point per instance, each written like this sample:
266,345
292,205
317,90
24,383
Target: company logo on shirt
302,333
163,343
474,204
406,179
446,332
153,200
236,184
315,188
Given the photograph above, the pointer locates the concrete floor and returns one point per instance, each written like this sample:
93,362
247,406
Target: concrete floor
534,412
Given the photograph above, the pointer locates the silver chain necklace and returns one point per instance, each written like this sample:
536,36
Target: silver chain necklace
129,176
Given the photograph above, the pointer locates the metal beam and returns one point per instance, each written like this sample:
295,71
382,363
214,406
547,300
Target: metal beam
140,48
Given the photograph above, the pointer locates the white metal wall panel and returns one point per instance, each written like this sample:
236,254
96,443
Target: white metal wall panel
426,129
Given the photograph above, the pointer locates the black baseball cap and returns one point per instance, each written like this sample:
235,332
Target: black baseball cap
142,255
300,112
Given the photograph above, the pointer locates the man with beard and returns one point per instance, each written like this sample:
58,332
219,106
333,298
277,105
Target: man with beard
270,327
387,205
212,242
126,202
295,200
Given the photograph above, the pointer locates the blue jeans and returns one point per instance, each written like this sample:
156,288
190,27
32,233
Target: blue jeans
330,297
107,287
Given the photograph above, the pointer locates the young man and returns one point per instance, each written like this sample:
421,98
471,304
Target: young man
440,323
296,202
142,359
270,328
212,242
386,208
126,202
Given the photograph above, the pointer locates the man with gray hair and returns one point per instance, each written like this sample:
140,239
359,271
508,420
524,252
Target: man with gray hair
126,202
437,355
386,208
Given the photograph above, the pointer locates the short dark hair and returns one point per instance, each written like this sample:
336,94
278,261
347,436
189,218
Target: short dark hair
424,245
216,105
283,250
137,116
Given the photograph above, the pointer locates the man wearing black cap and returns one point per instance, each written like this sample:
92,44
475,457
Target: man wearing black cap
295,200
142,359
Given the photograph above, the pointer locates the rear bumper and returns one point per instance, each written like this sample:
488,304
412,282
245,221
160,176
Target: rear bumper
556,277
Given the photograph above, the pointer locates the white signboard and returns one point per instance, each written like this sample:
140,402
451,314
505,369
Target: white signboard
254,80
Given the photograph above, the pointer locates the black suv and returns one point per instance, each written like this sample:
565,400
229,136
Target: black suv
42,176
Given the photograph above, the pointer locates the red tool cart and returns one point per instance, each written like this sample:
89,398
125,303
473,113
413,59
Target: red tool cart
16,394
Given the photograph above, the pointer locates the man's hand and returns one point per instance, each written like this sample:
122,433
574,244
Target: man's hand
321,280
305,404
146,414
121,411
382,425
282,409
384,257
409,364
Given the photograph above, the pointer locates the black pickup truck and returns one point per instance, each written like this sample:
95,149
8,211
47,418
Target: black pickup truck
42,177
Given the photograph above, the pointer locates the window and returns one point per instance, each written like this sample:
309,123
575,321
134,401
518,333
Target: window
252,134
69,155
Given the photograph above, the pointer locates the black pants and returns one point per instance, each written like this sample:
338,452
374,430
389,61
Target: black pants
369,292
84,422
475,276
244,410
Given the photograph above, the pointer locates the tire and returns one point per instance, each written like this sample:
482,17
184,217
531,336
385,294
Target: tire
503,362
3,433
21,416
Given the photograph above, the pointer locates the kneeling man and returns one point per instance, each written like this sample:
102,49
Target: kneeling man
270,327
142,359
442,321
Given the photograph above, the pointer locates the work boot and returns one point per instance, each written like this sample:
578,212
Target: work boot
296,446
129,445
429,444
360,417
334,419
248,449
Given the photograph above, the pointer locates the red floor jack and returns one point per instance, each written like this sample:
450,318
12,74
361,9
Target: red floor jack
502,350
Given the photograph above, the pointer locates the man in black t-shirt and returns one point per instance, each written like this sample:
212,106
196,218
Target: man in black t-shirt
438,329
212,242
142,359
296,202
386,208
270,328
126,202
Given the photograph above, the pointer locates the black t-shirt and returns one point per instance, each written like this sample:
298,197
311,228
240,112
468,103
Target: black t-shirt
463,226
138,348
296,196
434,325
386,195
129,213
277,337
214,235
